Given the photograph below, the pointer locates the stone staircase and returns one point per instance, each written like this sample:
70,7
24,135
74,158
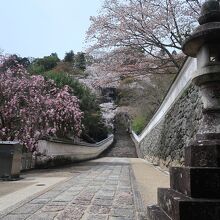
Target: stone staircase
123,146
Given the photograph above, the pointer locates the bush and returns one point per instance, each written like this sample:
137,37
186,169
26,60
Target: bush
94,127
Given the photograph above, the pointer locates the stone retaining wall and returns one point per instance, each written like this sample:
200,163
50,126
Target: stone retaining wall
164,144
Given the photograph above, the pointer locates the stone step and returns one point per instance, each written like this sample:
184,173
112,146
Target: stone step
181,207
203,153
196,182
155,213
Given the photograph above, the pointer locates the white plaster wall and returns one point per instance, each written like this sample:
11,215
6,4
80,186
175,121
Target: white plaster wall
75,151
184,78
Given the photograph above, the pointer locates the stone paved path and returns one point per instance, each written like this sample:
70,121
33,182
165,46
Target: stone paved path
104,191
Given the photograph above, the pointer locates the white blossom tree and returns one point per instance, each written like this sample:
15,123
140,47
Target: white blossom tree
156,27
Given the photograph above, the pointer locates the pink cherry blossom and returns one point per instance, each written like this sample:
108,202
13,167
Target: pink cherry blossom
32,108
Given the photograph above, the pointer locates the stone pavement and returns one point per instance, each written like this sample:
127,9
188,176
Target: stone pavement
105,190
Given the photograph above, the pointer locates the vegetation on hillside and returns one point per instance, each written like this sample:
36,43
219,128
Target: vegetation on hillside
75,63
63,73
143,97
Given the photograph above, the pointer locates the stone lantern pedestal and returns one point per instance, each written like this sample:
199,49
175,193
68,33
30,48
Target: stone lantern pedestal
194,192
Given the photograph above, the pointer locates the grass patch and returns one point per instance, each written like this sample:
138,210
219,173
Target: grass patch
138,124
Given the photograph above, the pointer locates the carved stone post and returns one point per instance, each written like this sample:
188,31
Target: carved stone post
194,192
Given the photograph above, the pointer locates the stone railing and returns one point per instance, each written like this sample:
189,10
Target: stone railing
172,126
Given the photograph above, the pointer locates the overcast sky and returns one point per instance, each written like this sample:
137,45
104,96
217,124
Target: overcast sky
39,27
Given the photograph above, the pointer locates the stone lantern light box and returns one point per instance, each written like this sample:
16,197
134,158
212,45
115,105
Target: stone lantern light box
209,54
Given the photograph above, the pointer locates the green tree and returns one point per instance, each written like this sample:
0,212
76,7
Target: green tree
80,61
46,63
69,57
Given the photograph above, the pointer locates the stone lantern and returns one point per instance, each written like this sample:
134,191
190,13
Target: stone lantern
194,192
205,45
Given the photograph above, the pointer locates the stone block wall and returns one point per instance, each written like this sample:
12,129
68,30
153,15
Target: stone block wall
164,144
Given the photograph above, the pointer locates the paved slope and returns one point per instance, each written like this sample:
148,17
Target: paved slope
103,189
123,145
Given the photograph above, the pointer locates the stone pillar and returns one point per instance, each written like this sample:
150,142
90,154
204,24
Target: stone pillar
194,192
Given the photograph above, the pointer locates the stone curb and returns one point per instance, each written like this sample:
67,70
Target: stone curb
138,201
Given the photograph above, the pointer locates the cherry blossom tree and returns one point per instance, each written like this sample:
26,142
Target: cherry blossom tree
32,108
109,68
157,27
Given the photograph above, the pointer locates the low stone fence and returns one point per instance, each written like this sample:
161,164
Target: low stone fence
174,124
55,152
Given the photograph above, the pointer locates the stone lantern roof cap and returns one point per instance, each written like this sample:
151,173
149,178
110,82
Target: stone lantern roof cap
210,12
207,32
